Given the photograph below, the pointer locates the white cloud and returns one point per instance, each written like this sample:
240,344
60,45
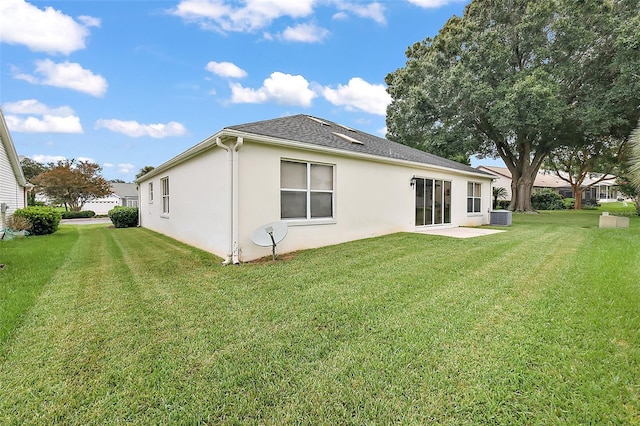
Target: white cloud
305,33
340,15
126,168
40,118
373,10
89,21
135,129
254,15
44,159
108,165
68,75
226,69
43,30
86,159
281,88
432,4
358,94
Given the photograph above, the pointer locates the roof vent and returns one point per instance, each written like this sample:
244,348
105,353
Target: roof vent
347,128
317,120
348,138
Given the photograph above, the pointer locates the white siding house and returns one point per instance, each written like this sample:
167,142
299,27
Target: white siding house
329,183
13,194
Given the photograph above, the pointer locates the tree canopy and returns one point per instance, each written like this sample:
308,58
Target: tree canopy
72,183
597,159
31,168
518,79
143,171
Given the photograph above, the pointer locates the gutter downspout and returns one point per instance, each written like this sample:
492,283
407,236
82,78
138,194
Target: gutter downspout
235,211
230,251
233,255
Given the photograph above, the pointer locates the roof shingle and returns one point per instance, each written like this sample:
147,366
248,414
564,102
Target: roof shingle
318,131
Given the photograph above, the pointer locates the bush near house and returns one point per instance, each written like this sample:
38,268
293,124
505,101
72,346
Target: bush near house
503,204
569,203
44,220
547,199
78,215
124,217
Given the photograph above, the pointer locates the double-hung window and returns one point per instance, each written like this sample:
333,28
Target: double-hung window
165,195
150,192
306,190
474,197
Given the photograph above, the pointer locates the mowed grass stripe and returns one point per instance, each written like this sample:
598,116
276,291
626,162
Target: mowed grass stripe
23,277
434,330
405,328
89,304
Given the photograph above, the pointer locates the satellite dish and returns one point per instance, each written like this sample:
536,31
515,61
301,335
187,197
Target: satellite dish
270,235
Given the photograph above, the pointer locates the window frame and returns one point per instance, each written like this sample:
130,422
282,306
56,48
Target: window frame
165,195
436,204
308,191
475,198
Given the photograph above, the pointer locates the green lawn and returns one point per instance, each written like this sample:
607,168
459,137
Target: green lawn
537,325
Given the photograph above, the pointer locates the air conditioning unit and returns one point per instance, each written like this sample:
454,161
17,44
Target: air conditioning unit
500,217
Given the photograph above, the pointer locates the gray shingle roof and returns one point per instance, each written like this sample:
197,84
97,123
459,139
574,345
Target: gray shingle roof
318,131
124,189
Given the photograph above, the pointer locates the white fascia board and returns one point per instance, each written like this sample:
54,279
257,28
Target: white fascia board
180,158
342,153
210,142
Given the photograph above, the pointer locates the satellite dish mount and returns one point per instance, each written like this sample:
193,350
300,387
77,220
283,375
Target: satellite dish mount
270,235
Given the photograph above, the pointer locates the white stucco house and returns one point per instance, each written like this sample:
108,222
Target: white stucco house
329,183
13,185
124,194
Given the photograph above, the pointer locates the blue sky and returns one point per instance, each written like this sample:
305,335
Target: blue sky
128,84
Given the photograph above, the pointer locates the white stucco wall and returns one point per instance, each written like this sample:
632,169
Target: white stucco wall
371,199
199,202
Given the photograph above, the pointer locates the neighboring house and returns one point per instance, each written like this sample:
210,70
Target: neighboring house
329,183
124,194
603,191
13,185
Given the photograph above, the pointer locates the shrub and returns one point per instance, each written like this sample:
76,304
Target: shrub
43,220
503,204
569,203
124,217
78,215
18,223
547,199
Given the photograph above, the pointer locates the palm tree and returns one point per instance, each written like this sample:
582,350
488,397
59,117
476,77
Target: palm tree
499,192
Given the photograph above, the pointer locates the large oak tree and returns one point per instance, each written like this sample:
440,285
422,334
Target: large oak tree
518,79
73,183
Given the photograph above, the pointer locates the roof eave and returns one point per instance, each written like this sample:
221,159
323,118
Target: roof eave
11,151
210,142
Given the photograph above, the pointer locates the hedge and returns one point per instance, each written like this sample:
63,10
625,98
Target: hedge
78,215
124,217
547,199
44,220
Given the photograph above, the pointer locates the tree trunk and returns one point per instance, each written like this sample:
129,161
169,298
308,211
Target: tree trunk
522,187
577,194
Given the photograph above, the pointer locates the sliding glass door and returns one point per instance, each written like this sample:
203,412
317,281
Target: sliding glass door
433,201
